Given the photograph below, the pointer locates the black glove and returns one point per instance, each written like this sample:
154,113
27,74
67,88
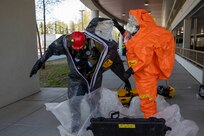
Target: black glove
36,67
127,86
128,73
115,22
118,26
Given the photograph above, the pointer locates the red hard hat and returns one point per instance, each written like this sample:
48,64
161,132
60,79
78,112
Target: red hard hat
78,40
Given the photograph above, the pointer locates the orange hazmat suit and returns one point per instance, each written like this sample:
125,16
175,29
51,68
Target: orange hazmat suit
150,53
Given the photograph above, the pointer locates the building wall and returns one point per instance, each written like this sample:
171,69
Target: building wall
182,19
18,50
184,11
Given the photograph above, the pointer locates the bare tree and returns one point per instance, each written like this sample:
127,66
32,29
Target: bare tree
44,7
71,26
44,20
39,42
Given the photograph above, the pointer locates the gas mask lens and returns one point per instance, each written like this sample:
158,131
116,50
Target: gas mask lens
131,28
132,25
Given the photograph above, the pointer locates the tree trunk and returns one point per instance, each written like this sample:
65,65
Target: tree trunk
44,29
39,40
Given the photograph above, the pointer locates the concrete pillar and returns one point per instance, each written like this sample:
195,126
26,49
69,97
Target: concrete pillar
18,50
94,13
187,33
195,31
203,72
174,32
166,8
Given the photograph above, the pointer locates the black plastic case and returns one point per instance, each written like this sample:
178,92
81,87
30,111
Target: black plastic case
128,127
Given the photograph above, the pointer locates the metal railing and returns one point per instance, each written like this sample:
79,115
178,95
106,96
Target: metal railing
194,56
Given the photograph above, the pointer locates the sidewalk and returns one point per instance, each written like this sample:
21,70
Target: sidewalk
54,57
28,117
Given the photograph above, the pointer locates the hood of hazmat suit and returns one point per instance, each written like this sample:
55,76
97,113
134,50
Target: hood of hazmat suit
151,44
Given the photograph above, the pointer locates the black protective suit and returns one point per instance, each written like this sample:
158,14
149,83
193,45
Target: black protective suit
85,77
86,65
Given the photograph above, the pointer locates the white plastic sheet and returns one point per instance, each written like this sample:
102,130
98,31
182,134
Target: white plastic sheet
103,102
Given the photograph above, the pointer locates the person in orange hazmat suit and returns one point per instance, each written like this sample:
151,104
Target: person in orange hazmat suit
150,51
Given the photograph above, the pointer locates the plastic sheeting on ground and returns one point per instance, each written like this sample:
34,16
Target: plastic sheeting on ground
75,114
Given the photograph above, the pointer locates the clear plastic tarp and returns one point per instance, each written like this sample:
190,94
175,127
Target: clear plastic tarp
75,114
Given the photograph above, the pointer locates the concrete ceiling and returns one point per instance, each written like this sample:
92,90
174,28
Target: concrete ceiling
118,8
199,15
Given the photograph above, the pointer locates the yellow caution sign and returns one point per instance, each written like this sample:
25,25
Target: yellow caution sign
126,126
107,63
132,63
146,96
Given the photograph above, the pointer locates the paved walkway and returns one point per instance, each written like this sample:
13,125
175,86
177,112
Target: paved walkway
28,117
54,57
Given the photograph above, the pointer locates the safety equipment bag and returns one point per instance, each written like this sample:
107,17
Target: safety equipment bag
128,126
125,96
166,91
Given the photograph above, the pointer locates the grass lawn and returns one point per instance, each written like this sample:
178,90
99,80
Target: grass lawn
55,73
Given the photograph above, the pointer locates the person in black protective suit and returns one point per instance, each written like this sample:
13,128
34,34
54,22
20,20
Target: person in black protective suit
89,54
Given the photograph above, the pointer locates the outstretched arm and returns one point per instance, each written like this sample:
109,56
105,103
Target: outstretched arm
119,70
55,48
118,26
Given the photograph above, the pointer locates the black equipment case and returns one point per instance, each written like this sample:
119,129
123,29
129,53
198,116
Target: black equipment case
128,127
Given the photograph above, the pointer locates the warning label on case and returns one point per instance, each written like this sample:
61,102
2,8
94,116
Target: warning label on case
126,126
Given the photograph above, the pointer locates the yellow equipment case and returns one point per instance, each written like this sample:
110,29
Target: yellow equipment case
125,96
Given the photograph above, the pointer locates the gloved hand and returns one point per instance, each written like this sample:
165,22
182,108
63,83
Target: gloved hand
115,22
128,73
127,86
118,26
36,67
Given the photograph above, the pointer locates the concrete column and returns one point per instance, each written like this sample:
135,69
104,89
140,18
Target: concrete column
203,72
174,33
94,13
195,31
166,8
18,50
187,33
